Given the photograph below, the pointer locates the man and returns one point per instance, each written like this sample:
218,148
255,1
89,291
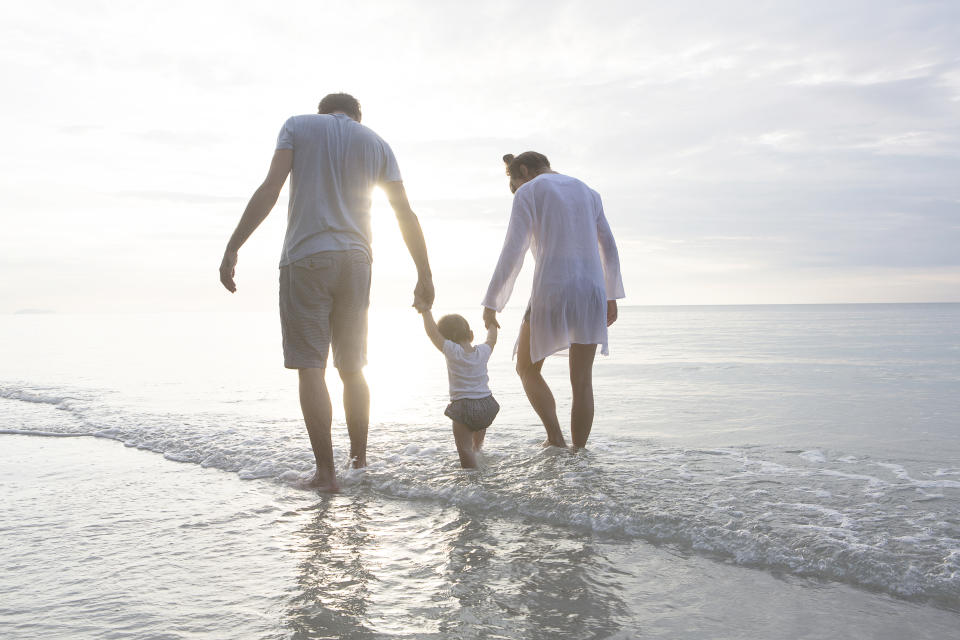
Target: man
335,163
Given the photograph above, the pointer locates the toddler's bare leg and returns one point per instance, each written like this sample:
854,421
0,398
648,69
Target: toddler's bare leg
464,439
478,437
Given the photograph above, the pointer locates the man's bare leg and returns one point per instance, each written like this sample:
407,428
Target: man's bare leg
581,382
318,414
464,439
356,406
537,390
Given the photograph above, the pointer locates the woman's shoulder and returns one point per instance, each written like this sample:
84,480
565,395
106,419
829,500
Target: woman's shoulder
556,181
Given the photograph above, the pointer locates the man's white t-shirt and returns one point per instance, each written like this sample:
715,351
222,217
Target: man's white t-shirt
336,164
467,372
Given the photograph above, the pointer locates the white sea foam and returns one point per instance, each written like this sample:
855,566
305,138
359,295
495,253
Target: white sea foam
814,457
37,432
901,473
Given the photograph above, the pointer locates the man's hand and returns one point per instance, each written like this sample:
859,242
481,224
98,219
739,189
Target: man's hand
611,312
257,209
423,294
490,318
227,270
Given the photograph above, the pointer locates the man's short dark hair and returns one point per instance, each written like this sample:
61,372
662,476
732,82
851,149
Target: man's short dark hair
340,102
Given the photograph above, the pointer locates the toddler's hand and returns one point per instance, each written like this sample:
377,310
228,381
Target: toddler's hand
490,318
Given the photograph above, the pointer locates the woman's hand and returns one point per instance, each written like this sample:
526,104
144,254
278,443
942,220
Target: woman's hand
611,312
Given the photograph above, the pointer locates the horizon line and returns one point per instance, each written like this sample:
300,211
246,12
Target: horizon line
47,312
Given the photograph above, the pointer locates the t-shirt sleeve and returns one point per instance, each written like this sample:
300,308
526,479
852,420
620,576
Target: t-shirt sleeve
449,348
390,170
285,138
485,351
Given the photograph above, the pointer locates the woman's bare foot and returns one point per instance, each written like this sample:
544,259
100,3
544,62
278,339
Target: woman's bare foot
550,443
358,462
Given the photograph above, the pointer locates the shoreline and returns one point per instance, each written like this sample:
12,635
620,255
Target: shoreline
116,540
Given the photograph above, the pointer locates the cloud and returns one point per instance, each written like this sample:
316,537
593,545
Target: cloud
757,140
180,197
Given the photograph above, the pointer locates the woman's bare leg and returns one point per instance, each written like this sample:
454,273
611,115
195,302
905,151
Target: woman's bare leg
581,383
478,437
464,439
537,390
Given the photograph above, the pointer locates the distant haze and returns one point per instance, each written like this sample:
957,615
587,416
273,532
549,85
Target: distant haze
747,152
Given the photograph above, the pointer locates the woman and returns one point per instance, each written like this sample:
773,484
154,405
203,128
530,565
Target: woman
576,284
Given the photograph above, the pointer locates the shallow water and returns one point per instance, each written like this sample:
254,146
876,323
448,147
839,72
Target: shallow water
801,457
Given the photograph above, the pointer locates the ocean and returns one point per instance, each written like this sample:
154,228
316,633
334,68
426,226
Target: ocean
788,471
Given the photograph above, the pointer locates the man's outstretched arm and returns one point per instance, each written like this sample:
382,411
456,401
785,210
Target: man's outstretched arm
257,210
416,245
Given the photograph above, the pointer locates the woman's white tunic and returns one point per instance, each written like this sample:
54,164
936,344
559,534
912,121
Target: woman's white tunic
561,221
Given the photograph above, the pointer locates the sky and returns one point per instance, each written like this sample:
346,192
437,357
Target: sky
746,152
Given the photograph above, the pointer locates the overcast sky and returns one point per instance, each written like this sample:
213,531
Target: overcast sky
747,152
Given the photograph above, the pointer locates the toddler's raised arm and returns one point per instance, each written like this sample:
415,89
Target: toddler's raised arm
430,326
492,335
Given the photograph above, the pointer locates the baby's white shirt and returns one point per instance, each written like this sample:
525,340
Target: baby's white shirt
467,372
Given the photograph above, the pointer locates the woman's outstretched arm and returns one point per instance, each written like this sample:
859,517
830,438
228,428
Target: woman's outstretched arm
515,247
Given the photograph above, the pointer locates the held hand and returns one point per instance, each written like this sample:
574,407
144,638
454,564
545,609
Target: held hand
423,294
611,312
490,318
227,270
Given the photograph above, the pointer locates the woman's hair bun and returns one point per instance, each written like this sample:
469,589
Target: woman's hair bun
507,159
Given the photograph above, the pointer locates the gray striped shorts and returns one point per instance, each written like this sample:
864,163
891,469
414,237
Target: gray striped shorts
323,301
475,413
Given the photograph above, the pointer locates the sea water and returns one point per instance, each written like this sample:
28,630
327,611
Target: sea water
802,461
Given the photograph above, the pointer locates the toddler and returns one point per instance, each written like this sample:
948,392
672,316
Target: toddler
472,407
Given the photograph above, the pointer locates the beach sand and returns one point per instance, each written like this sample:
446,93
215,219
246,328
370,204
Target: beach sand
102,541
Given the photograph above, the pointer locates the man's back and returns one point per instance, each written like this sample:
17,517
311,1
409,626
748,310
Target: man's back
336,164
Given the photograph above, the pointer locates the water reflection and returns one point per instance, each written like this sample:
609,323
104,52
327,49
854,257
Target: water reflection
333,582
376,568
530,581
370,568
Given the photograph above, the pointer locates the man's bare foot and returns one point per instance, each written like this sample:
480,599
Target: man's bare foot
359,462
323,483
550,443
